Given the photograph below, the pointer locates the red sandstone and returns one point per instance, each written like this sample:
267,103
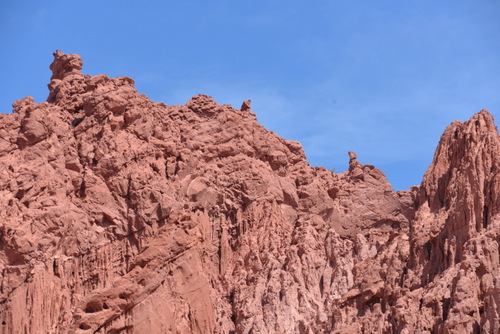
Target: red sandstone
122,215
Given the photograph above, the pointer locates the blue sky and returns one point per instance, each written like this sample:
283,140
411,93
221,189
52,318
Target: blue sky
381,78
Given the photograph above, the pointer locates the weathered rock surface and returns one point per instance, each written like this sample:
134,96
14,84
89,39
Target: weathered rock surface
122,215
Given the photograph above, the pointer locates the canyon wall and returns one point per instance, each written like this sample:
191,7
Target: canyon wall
123,215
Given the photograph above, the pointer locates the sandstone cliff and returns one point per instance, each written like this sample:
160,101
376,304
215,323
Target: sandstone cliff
122,215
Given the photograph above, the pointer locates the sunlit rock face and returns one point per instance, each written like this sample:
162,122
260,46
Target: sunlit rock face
123,215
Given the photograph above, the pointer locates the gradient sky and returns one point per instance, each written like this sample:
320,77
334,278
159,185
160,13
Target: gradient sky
381,78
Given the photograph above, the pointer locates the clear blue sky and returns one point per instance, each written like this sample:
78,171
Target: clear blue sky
381,78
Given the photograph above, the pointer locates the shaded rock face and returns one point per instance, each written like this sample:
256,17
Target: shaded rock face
122,215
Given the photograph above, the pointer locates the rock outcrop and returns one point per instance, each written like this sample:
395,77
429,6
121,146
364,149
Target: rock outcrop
123,215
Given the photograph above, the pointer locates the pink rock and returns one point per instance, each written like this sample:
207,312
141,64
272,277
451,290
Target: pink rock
122,215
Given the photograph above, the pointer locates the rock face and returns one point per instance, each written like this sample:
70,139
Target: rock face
122,215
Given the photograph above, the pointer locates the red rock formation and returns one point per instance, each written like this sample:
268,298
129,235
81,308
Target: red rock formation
122,215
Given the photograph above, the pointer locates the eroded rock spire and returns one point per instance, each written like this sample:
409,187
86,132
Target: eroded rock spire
65,64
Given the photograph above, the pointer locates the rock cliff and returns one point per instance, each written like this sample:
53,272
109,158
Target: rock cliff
123,215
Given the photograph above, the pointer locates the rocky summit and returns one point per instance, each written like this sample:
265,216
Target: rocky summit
123,215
